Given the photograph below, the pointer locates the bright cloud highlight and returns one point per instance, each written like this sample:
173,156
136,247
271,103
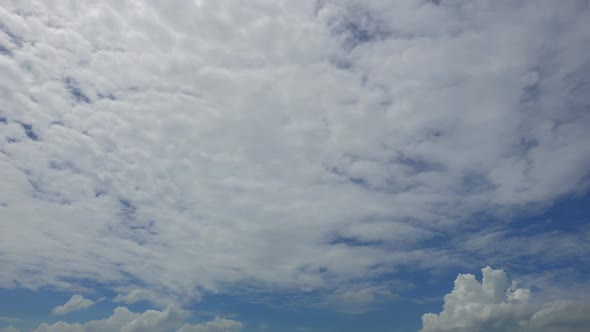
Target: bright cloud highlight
75,303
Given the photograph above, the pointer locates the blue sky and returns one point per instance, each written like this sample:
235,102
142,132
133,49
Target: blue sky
270,165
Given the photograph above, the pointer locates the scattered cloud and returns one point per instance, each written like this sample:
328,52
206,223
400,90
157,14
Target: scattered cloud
216,325
75,303
9,329
496,305
10,319
169,320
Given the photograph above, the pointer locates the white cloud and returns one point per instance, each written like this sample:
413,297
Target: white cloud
138,294
299,145
169,320
216,325
75,303
7,319
9,329
495,305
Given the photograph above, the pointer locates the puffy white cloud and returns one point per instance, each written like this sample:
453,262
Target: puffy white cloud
216,325
496,305
169,320
191,147
75,303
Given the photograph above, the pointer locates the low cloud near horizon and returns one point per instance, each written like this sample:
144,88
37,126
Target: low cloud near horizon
497,305
123,320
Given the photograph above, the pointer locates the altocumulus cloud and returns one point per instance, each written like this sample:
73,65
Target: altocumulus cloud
75,303
496,305
169,320
182,148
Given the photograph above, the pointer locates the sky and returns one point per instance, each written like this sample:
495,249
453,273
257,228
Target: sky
294,166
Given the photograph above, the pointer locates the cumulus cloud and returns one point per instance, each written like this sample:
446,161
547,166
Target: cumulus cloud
189,147
496,305
169,320
75,303
216,325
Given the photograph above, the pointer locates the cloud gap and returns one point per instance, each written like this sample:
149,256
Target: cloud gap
417,165
147,228
16,40
28,128
357,27
109,96
348,241
5,51
127,209
475,182
75,91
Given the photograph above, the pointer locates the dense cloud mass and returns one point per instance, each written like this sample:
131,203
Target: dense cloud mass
170,149
495,305
123,320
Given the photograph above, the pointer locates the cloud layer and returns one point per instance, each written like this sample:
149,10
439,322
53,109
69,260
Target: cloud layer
167,150
495,305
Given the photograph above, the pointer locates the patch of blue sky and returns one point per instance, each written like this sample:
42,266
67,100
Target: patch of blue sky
567,214
284,313
31,134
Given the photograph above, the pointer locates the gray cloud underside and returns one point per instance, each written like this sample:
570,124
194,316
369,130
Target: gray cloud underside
183,148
